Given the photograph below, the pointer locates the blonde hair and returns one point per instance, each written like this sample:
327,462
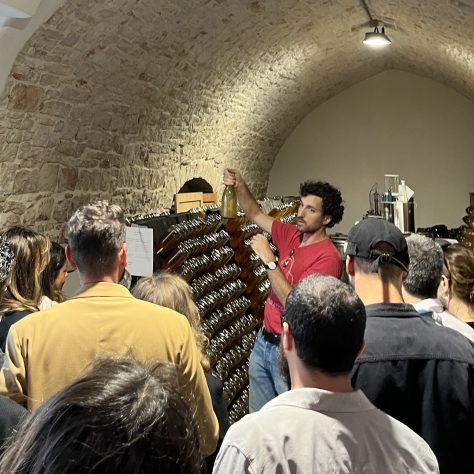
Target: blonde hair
23,285
172,291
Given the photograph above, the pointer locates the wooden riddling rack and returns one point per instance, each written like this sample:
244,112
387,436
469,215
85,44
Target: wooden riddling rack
228,281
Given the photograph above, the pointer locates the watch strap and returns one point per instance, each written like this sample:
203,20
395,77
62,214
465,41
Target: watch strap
271,265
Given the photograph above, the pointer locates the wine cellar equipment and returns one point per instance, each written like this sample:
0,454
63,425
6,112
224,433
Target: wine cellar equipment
228,281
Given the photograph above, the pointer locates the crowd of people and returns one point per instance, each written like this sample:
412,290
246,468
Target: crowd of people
376,375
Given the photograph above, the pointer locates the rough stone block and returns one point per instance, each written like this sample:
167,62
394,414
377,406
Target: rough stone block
56,108
14,206
71,39
25,98
8,151
9,219
62,210
26,181
74,94
48,177
70,148
45,209
85,179
41,136
67,179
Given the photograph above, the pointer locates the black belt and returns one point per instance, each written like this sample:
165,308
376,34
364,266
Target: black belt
270,337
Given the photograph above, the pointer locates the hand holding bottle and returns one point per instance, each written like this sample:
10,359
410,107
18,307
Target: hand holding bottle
232,178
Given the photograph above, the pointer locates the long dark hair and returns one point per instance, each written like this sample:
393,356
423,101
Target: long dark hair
122,416
56,262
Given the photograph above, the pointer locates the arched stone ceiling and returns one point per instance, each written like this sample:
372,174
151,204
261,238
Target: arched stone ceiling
127,99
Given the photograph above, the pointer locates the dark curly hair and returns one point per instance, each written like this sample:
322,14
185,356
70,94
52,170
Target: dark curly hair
331,196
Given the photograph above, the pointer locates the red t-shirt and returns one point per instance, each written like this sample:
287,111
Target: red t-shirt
297,263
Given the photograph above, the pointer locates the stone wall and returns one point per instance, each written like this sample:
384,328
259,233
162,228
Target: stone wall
127,99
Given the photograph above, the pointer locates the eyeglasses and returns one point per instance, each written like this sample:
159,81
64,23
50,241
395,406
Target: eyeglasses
288,259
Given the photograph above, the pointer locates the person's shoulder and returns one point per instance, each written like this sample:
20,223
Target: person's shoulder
330,245
244,431
283,229
213,382
459,346
11,409
160,319
398,435
29,319
151,309
397,326
446,338
327,249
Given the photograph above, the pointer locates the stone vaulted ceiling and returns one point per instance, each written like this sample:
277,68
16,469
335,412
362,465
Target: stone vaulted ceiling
127,99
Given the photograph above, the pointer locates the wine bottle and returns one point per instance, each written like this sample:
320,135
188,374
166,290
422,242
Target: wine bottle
229,203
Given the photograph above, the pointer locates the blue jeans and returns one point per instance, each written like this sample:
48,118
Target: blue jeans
265,379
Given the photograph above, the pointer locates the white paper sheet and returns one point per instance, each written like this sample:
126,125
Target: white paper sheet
140,251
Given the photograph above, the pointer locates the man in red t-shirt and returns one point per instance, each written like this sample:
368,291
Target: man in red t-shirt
304,249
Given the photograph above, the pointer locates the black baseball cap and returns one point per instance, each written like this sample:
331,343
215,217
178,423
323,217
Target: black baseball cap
364,236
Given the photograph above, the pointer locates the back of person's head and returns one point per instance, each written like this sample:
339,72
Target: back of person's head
23,284
172,291
95,235
331,196
327,321
57,261
426,266
459,270
378,247
121,416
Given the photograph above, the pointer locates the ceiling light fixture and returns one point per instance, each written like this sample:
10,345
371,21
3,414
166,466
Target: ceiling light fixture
376,38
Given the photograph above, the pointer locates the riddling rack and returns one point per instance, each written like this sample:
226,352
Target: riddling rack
228,281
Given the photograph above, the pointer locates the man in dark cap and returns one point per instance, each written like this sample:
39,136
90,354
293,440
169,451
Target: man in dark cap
414,370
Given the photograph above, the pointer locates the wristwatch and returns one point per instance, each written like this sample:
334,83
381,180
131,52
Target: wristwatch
272,265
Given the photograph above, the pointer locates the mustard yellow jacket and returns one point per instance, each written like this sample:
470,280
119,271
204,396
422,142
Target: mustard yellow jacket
47,350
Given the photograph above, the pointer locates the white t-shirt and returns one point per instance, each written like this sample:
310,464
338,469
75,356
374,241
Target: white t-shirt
444,317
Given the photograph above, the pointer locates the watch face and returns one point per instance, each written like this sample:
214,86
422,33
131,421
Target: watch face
271,265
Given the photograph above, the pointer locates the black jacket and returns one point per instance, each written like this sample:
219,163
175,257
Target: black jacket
422,374
11,414
220,409
6,322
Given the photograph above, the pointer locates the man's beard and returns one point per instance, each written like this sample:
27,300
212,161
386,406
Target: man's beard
283,365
